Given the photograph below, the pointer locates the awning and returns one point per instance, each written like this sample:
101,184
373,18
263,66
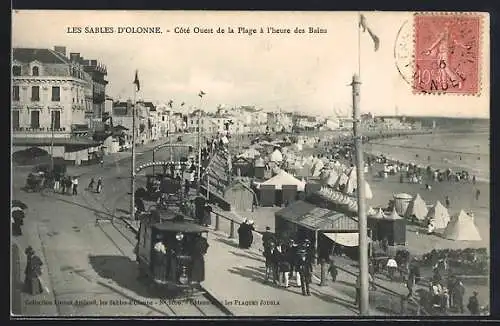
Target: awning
345,239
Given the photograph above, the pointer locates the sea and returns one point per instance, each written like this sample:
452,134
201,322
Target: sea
455,148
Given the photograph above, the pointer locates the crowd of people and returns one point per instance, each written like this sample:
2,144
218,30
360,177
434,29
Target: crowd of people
288,259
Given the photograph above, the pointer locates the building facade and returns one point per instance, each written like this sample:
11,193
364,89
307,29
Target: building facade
50,95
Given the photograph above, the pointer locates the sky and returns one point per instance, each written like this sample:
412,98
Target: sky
304,72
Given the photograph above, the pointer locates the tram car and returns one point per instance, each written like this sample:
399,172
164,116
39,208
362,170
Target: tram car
170,251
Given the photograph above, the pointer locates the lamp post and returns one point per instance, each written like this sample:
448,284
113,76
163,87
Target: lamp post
198,187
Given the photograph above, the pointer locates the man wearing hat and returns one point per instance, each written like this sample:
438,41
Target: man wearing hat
473,304
267,237
33,271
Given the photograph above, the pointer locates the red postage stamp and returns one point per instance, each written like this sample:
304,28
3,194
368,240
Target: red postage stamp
447,53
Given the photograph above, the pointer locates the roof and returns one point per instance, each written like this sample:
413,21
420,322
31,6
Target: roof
187,227
119,127
312,217
42,55
46,141
150,105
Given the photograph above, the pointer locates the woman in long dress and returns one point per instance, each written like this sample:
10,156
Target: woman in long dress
33,271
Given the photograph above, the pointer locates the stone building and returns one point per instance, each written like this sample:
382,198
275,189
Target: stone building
50,95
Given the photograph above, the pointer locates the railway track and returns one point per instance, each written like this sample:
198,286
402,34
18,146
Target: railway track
198,303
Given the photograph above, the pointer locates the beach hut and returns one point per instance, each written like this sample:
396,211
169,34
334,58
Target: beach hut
259,167
242,167
401,202
417,209
439,216
462,228
240,196
267,195
312,187
390,226
288,194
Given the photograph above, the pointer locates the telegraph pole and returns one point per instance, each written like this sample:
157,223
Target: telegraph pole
361,188
52,123
132,171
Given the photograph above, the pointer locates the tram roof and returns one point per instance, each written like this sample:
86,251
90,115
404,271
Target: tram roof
186,227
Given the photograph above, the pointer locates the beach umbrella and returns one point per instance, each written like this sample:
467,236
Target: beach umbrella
18,203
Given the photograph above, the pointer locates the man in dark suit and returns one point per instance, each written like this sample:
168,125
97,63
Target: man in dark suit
304,267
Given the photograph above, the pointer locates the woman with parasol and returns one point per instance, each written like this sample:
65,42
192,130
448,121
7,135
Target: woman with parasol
17,217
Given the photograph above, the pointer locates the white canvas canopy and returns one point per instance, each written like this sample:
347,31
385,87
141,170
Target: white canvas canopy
259,162
276,156
317,166
462,228
284,178
417,208
439,216
350,239
250,153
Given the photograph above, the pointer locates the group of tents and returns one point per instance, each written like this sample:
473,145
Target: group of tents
339,176
460,226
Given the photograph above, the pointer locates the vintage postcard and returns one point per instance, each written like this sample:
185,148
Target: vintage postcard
218,164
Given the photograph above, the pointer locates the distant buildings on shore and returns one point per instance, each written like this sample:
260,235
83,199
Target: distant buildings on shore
59,104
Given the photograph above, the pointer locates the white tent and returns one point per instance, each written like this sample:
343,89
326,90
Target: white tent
297,147
379,213
316,169
332,178
250,153
462,228
276,156
417,208
353,184
439,216
342,180
284,178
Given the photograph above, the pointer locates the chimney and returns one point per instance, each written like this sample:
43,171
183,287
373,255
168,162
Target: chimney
60,50
74,57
